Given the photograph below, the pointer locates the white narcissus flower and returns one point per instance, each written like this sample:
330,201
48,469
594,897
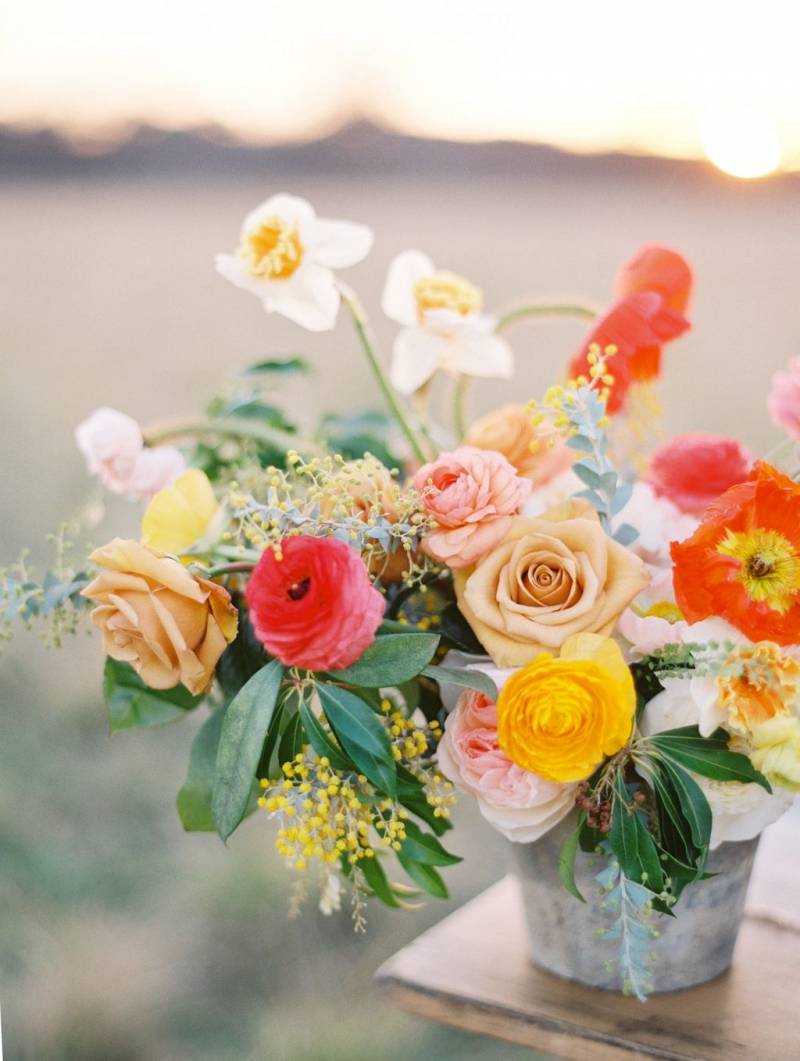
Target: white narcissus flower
739,812
443,327
287,255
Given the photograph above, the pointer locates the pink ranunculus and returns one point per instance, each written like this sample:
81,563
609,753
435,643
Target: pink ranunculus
783,401
155,469
472,495
518,803
691,471
111,442
314,605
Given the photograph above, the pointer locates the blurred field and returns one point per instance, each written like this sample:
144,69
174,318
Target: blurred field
121,939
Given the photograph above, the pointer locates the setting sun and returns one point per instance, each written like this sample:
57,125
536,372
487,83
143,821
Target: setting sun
741,141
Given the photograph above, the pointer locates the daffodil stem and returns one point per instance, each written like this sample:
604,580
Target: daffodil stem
546,309
459,402
362,331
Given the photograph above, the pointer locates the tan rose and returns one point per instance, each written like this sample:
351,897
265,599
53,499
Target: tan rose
169,626
547,580
510,431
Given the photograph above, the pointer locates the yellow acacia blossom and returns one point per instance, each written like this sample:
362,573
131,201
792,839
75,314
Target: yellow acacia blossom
180,515
560,717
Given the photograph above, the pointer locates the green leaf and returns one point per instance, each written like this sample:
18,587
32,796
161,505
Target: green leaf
133,704
375,877
194,798
361,734
587,475
278,366
693,803
425,876
243,658
293,739
390,660
566,860
631,842
466,679
321,741
265,768
244,729
422,847
708,756
456,631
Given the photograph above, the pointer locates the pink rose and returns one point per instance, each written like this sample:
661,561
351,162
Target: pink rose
783,402
472,495
110,441
519,804
114,449
691,471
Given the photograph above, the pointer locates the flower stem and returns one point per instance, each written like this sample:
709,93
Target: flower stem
546,309
229,569
459,401
350,299
230,426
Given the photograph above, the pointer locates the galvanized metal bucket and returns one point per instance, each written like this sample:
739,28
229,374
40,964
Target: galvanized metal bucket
694,946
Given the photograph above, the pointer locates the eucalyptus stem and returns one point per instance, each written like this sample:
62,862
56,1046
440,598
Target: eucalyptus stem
546,309
350,299
459,401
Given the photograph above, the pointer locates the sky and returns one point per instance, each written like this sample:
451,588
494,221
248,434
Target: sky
587,76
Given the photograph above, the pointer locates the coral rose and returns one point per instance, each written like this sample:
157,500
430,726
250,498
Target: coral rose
520,805
692,470
510,431
315,606
742,563
783,402
472,495
560,718
171,628
546,581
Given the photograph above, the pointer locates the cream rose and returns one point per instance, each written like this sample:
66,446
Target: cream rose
171,628
546,581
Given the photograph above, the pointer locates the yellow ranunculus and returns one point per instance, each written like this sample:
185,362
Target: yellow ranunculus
776,751
180,515
559,718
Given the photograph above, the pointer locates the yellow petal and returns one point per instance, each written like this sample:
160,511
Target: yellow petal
180,515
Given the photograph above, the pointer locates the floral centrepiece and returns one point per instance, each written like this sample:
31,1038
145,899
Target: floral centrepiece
539,607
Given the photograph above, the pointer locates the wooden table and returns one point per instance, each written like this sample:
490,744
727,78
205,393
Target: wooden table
472,971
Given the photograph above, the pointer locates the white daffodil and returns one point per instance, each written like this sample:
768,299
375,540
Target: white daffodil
443,325
287,255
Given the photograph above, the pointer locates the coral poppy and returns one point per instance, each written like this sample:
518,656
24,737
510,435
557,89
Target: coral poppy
652,290
743,561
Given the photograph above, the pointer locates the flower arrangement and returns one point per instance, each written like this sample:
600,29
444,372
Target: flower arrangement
552,608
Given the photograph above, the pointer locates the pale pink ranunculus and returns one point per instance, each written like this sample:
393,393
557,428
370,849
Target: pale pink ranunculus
472,495
783,401
110,441
155,469
693,470
518,803
114,449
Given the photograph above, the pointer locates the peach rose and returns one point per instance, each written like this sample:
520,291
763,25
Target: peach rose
169,626
472,494
516,802
509,431
547,580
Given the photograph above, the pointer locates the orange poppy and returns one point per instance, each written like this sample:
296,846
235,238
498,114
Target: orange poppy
653,290
743,561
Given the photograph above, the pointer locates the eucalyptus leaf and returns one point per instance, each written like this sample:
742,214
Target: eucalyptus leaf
244,730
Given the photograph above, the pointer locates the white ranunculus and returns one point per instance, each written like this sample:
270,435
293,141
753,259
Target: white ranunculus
739,812
287,255
442,326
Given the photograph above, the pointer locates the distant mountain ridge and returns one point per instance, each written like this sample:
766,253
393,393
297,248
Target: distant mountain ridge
357,147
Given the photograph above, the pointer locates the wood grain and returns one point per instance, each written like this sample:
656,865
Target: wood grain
472,971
